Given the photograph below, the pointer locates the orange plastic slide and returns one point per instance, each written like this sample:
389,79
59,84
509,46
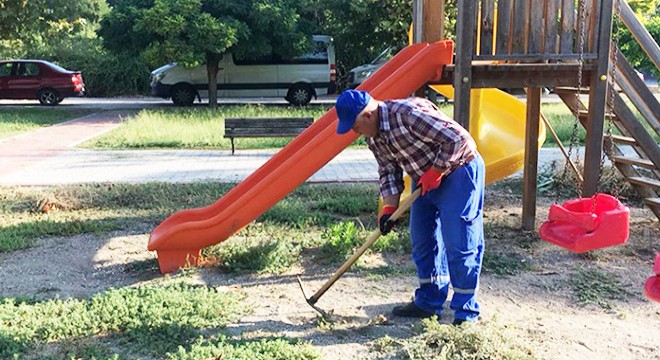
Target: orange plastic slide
179,239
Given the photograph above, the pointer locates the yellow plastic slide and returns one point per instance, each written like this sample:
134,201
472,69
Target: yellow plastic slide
497,124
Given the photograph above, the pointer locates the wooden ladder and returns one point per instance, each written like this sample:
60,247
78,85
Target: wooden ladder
642,171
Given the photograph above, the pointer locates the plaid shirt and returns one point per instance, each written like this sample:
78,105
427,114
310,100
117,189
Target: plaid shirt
414,135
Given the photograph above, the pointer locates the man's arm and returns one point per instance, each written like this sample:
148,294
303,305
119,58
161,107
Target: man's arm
391,200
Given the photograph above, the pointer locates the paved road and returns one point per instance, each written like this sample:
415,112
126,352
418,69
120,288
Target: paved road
132,103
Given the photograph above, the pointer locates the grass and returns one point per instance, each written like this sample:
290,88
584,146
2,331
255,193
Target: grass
504,265
16,121
174,321
130,322
195,128
593,286
468,342
201,128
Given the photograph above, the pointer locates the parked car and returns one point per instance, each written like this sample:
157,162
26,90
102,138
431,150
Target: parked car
38,79
358,74
297,80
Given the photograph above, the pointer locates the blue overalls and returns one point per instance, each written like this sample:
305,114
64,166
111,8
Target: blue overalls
446,229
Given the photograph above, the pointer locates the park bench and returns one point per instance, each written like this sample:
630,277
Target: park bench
264,127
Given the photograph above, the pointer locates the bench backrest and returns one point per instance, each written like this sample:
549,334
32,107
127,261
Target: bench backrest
235,127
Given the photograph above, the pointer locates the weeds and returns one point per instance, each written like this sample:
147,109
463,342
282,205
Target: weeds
505,264
339,241
440,341
592,286
146,320
272,256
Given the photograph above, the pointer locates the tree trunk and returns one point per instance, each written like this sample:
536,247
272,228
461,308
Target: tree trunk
212,65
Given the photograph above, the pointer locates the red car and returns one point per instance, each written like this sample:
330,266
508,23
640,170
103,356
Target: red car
38,79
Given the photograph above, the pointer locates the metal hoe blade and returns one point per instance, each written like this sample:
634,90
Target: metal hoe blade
405,205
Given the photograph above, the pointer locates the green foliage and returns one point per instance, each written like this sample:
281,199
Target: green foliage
194,32
19,120
361,28
592,286
339,240
26,26
468,342
270,256
145,320
194,128
184,32
263,349
504,264
631,48
105,73
646,8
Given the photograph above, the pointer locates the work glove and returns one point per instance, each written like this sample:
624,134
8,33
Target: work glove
384,221
430,180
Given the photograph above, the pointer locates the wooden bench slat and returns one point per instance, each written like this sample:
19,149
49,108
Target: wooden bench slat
264,127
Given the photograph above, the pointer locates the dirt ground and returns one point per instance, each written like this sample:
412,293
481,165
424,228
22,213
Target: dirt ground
536,307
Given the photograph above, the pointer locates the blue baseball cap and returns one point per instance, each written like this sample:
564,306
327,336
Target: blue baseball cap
349,104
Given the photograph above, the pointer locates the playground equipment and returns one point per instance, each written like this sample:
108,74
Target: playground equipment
587,224
179,239
502,44
652,285
518,48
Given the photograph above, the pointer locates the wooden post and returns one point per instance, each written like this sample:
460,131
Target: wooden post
428,26
597,101
465,24
433,29
433,14
530,171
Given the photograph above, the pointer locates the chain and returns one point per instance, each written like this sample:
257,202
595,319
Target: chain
574,142
609,148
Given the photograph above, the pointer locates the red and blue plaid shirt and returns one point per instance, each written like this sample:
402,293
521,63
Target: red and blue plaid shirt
414,135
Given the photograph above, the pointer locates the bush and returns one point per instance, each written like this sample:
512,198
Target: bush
104,73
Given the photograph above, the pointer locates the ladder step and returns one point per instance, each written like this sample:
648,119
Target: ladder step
571,90
634,161
625,140
585,113
644,181
653,201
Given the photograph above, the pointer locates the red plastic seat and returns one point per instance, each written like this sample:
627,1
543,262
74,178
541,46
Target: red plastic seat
652,285
573,225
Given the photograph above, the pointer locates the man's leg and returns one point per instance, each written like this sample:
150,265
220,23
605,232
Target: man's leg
460,199
429,257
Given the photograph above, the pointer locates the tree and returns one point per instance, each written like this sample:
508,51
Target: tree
361,28
25,25
193,32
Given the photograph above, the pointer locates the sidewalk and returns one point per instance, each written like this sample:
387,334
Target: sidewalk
48,157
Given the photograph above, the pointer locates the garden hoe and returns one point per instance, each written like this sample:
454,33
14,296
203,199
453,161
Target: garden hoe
370,241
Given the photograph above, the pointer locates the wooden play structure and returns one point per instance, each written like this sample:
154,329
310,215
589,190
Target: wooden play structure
566,47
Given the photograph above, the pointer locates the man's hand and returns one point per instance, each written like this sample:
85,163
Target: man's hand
384,221
430,180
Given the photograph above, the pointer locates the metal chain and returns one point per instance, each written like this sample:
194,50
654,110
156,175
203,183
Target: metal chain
574,142
614,46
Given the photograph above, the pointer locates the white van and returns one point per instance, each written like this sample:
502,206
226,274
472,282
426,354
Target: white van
297,80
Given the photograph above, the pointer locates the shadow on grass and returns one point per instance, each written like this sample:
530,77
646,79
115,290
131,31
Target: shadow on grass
25,235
